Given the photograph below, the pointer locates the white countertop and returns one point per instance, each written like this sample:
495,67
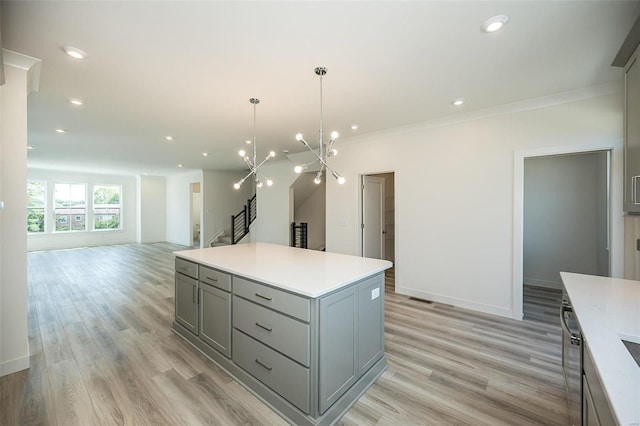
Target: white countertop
307,272
607,310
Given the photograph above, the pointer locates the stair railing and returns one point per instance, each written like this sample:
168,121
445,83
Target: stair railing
241,222
298,235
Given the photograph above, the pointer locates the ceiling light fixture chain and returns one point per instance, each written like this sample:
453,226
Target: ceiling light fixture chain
323,152
253,163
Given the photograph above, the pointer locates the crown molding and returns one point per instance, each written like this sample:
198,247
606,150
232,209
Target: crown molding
26,63
608,88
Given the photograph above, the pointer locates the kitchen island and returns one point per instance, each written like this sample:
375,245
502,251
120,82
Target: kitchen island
608,312
302,329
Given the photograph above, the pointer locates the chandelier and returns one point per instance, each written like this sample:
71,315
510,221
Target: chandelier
324,151
252,163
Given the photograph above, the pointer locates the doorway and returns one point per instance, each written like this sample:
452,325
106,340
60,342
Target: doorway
195,210
565,222
377,218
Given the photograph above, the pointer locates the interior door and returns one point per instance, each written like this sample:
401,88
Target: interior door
373,217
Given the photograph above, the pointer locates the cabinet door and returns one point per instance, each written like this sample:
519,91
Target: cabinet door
370,322
632,136
215,318
589,416
338,346
186,300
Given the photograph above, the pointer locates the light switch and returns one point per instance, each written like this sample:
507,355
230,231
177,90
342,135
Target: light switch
375,293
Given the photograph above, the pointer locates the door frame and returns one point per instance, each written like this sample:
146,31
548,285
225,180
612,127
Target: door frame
616,224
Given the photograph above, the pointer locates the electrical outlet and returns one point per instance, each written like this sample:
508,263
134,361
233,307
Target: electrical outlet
375,293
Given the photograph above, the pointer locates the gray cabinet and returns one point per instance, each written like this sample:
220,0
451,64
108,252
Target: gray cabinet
351,337
215,318
309,358
338,345
370,322
632,136
186,295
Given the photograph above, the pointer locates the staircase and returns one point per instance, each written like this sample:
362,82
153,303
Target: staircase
221,240
241,222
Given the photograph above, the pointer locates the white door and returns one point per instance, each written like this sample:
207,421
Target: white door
373,217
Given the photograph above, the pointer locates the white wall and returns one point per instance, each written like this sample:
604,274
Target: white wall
62,240
564,196
178,206
454,193
152,209
274,213
312,211
220,200
14,346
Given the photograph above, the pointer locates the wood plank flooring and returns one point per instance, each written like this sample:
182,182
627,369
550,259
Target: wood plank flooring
102,353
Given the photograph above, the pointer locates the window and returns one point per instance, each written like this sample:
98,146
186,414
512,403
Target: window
36,194
106,206
69,201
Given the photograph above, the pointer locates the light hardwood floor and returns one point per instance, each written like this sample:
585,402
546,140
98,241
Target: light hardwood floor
102,352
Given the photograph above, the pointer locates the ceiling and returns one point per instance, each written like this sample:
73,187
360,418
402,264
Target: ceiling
188,69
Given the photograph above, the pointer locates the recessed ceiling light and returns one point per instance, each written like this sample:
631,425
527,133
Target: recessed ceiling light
354,127
74,52
76,101
61,130
285,151
179,165
494,24
31,147
247,141
204,154
458,102
169,138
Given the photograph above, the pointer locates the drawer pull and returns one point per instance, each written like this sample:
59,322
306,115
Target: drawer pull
263,297
262,364
263,327
212,278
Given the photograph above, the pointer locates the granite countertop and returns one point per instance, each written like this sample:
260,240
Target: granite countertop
306,272
608,311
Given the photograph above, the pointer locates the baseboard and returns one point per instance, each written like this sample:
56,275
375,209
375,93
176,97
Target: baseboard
461,303
556,285
13,366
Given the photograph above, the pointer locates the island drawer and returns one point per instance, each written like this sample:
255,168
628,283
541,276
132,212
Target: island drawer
215,278
187,268
289,379
282,333
290,304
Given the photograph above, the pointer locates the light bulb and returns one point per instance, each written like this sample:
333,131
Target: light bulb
258,184
299,137
334,135
297,169
272,154
248,142
341,180
236,185
334,152
317,180
241,153
269,182
494,26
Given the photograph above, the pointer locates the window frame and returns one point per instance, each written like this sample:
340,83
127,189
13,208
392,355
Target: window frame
93,207
44,207
70,215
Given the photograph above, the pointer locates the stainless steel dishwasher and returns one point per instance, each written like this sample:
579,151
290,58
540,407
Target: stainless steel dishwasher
571,360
